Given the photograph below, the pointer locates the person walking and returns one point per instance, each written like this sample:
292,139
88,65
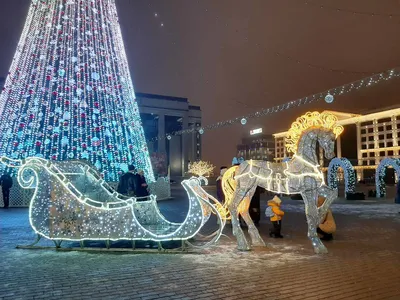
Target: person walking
141,185
328,226
397,199
6,183
126,185
220,192
255,206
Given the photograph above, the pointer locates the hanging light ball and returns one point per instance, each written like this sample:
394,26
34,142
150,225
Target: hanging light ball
201,130
169,137
243,121
329,98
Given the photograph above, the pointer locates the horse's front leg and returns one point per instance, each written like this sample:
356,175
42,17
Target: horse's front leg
243,245
313,220
330,195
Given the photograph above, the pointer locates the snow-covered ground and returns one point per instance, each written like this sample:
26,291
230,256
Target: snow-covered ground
367,211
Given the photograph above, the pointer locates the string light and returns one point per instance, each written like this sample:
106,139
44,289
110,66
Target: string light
349,174
380,174
339,90
69,93
63,208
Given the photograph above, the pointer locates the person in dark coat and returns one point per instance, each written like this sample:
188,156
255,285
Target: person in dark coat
6,183
220,192
397,199
255,206
127,182
141,185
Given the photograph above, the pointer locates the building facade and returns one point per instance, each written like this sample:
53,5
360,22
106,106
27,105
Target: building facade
366,140
258,147
162,115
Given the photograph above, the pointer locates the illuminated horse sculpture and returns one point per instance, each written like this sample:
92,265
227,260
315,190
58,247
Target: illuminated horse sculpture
300,175
71,202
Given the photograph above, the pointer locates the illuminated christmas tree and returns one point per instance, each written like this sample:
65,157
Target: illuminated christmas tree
69,93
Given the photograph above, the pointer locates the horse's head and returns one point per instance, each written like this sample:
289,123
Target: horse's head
326,140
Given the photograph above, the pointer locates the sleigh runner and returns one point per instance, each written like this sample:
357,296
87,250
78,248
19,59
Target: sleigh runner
71,202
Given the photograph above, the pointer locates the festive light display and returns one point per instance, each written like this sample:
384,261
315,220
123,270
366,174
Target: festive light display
380,174
308,121
201,168
69,93
72,203
300,175
349,174
340,90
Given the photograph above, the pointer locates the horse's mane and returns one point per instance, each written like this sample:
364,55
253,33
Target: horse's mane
311,120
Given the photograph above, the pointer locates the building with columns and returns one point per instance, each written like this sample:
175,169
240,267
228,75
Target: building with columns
366,140
164,114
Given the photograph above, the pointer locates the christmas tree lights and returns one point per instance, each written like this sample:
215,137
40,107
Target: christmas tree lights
69,93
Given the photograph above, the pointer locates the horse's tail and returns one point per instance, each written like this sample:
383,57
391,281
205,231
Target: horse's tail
228,187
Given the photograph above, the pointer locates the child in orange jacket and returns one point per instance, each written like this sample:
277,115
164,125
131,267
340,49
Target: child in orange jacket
275,215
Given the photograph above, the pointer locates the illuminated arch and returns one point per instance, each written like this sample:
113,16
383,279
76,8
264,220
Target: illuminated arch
349,174
380,174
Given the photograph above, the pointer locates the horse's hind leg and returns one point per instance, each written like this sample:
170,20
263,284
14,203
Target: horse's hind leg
237,231
313,220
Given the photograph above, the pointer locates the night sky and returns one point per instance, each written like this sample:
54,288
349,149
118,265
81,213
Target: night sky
222,55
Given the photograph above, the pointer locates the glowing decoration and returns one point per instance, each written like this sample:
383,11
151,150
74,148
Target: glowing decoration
380,174
301,175
169,137
69,93
201,130
201,168
256,131
349,174
243,121
308,121
339,90
71,202
329,98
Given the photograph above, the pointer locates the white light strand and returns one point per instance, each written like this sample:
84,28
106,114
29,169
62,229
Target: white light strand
340,90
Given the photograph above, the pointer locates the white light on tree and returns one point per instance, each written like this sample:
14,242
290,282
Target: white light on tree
69,93
201,168
243,121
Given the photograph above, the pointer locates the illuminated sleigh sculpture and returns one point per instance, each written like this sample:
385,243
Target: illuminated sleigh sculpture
300,175
71,202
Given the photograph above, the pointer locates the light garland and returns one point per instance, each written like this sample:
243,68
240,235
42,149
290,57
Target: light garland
340,90
70,204
349,174
69,93
380,174
301,175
